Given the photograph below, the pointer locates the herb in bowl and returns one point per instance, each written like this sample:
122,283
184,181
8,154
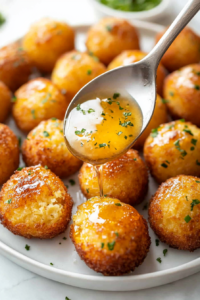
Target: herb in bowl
131,5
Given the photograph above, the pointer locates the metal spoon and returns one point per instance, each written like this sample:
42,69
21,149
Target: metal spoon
139,79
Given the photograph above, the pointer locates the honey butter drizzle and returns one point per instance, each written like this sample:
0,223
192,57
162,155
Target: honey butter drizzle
102,128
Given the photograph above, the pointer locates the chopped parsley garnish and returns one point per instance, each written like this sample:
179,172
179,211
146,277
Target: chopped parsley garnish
177,145
197,181
186,197
90,110
197,73
135,159
9,201
45,134
33,113
125,124
187,219
197,87
72,182
89,72
64,238
188,131
66,298
154,132
19,141
54,119
194,202
102,145
159,260
111,245
116,95
118,204
27,247
119,133
14,99
164,100
20,168
164,165
126,114
182,120
165,252
2,19
51,264
87,190
108,27
78,107
103,114
46,98
102,245
197,162
171,94
78,132
117,234
125,137
120,107
194,142
157,242
46,167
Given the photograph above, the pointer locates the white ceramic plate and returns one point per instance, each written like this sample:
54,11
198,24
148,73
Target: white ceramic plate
68,268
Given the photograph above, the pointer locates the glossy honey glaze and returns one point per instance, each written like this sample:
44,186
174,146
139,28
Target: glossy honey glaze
102,127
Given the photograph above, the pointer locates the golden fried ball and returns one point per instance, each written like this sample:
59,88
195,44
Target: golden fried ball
9,153
15,65
182,91
174,212
34,203
46,40
36,101
45,145
5,101
73,70
173,149
183,51
110,37
111,237
125,178
159,117
131,56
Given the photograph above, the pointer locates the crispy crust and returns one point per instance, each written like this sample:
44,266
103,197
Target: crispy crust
125,179
27,192
182,236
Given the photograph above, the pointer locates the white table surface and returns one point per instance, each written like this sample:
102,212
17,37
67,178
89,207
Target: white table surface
17,283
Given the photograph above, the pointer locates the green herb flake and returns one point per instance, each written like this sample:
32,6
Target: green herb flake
126,114
72,182
89,72
197,163
154,132
177,145
171,94
118,204
194,202
197,181
87,190
187,219
194,142
188,131
78,132
135,159
164,101
51,264
20,168
64,238
46,167
186,197
2,19
159,260
14,99
78,107
45,134
164,165
117,234
90,110
54,119
108,27
157,242
145,206
102,145
192,148
33,113
102,245
27,247
119,133
66,298
116,95
182,120
103,114
121,108
111,245
197,87
165,252
125,124
9,201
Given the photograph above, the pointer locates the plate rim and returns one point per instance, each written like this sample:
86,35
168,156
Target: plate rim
36,266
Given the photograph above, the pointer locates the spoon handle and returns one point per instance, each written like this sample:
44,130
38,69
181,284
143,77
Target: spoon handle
186,14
